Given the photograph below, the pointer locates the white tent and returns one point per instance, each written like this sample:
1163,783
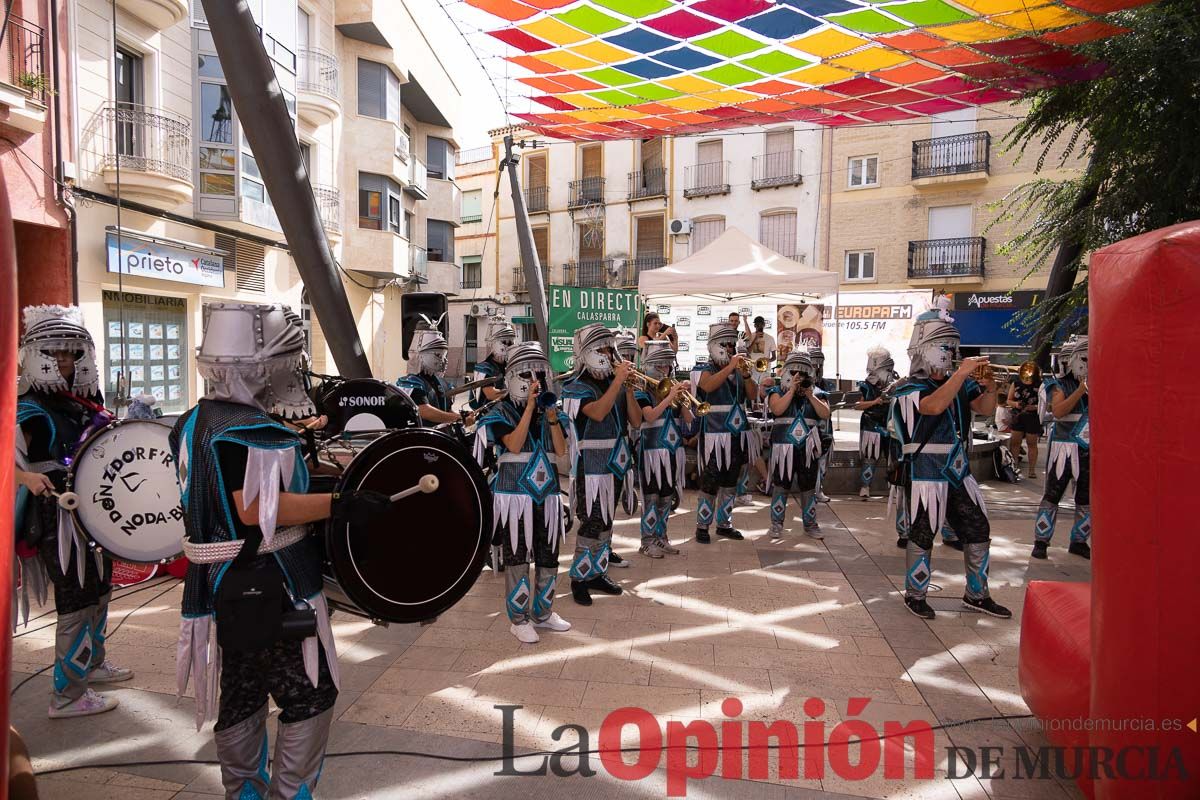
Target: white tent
732,268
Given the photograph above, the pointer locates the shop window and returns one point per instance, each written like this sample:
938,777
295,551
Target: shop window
146,338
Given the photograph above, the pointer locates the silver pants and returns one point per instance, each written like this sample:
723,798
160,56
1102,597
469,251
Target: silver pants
523,602
299,751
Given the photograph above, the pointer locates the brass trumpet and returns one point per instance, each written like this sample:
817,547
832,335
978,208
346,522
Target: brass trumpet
758,365
659,388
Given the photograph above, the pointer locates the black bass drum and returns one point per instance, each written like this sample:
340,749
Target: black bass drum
364,404
421,557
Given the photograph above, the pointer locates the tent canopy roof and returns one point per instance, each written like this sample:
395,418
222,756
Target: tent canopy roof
735,267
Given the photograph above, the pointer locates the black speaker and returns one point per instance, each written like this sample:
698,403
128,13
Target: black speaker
415,304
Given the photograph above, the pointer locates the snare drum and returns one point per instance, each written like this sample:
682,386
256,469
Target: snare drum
421,557
364,404
129,504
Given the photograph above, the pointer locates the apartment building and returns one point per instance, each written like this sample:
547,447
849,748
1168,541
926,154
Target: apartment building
375,110
475,242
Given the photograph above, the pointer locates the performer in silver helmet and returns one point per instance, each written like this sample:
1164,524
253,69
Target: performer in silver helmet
500,337
661,457
872,430
601,407
1070,450
797,405
932,419
61,407
255,621
528,433
825,426
425,383
724,432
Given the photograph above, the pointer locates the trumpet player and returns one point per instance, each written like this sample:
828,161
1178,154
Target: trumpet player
797,406
872,430
661,457
725,383
601,406
1070,450
627,349
825,426
528,433
931,414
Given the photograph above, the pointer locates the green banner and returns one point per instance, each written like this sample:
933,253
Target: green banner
572,307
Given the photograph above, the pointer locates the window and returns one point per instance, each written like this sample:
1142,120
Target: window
536,171
780,159
440,240
864,171
128,94
375,194
472,205
709,152
378,91
528,332
777,230
541,244
439,162
860,265
650,231
705,231
591,242
306,157
472,272
216,114
471,341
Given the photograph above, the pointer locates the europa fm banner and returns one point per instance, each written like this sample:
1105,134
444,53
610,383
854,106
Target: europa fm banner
573,307
863,320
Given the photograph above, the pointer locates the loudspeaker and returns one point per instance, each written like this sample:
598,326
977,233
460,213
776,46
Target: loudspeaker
413,305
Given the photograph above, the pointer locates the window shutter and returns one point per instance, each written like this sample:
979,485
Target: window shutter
708,152
592,161
541,243
652,154
537,171
370,89
251,267
589,252
705,232
650,236
393,94
779,141
229,245
778,232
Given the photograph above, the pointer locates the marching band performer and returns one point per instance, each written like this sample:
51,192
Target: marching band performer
722,447
528,528
600,406
425,383
798,406
499,339
932,419
1070,450
661,457
627,349
824,425
62,406
253,590
872,430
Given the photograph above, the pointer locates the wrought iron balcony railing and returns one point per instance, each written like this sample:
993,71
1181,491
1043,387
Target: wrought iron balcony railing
951,155
585,191
317,72
702,180
772,170
947,258
329,203
587,273
633,267
537,199
648,183
24,58
147,140
521,285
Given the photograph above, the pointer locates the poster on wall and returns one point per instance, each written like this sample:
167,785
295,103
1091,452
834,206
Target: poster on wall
691,325
573,307
865,320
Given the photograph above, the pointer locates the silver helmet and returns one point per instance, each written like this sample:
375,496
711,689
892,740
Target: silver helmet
818,362
626,345
933,346
722,342
500,337
253,354
526,363
880,366
658,359
56,329
429,353
797,365
1073,358
595,350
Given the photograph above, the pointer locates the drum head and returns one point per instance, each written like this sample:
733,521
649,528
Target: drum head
421,557
363,404
129,501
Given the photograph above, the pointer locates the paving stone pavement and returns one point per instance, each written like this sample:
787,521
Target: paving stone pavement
773,624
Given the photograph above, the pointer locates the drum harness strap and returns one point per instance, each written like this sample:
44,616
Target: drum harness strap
219,552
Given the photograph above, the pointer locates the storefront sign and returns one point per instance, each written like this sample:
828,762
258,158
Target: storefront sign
148,259
571,308
983,301
864,320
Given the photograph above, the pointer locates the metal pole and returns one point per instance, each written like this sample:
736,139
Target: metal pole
9,312
529,257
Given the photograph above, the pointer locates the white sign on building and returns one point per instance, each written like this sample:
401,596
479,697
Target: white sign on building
145,258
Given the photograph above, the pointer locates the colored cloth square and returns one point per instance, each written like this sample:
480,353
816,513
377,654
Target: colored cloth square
782,23
686,58
645,68
731,10
926,12
682,24
730,75
729,43
589,19
867,21
640,40
521,40
774,62
635,9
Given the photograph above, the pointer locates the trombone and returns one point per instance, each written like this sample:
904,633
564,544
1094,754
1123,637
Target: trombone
659,388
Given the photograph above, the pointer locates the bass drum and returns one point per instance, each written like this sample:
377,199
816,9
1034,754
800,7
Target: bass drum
364,404
129,503
422,556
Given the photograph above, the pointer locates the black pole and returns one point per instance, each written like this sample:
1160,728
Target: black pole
264,117
529,257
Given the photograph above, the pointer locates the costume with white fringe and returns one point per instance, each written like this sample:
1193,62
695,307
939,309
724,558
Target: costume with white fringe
936,459
428,358
627,349
661,456
824,426
724,432
872,430
796,448
528,526
229,442
53,417
1070,447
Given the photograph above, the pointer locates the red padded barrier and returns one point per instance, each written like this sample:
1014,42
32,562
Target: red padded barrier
1144,384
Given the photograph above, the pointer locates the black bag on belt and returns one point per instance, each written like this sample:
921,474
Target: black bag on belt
253,608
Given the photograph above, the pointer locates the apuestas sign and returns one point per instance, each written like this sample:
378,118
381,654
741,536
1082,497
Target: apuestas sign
573,307
142,258
983,301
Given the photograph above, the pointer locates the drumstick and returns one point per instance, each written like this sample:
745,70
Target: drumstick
427,484
67,500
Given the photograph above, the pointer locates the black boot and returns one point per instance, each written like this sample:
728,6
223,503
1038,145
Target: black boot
730,533
702,536
1039,549
1080,549
918,607
902,542
579,591
601,583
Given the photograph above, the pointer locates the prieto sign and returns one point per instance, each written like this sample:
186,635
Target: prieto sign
143,258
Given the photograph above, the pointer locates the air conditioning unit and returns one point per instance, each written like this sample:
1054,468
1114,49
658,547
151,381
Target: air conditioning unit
680,227
476,310
507,298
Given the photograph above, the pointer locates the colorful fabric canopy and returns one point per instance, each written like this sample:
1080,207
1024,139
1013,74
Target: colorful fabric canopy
606,69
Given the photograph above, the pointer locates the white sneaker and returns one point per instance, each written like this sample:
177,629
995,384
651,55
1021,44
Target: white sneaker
651,550
776,532
553,622
822,497
525,633
743,500
109,672
666,546
813,532
85,705
864,493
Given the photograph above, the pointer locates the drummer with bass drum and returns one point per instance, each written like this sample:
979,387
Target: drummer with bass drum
425,383
61,408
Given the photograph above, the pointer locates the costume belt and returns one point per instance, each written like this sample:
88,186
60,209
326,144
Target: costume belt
1069,418
931,447
514,458
218,552
782,420
658,423
597,444
712,409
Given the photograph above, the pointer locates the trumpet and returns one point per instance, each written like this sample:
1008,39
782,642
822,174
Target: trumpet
987,372
659,388
758,365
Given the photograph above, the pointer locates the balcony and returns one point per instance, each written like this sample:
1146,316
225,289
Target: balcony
418,181
951,159
773,170
158,14
473,155
317,87
23,75
537,199
153,148
648,183
329,204
585,191
519,283
403,149
587,272
947,260
418,261
704,180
